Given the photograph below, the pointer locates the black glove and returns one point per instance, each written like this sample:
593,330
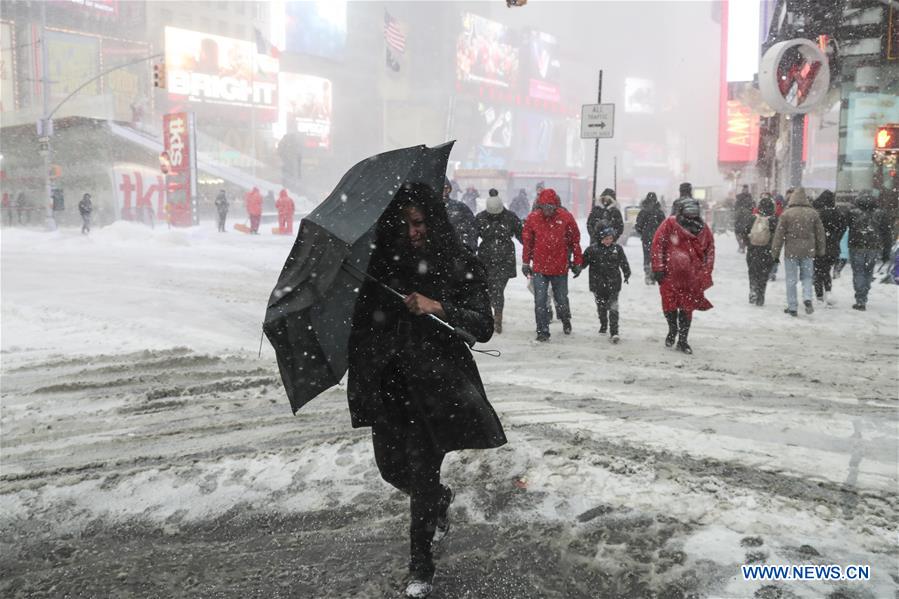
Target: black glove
526,270
658,276
576,270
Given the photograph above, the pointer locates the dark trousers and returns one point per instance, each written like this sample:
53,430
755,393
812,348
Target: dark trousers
223,216
85,224
496,288
758,262
408,459
823,266
607,308
647,256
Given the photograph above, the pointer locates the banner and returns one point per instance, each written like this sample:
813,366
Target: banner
179,135
139,192
215,70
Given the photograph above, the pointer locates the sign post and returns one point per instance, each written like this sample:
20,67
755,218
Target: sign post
597,122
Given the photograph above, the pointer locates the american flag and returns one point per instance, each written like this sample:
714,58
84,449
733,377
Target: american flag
392,34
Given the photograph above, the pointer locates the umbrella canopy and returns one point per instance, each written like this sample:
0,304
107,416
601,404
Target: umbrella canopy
310,311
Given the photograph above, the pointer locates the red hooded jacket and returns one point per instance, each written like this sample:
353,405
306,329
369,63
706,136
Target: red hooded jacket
687,261
254,202
285,204
548,241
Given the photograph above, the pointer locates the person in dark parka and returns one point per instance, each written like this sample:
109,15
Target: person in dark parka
834,226
648,220
743,209
221,207
605,213
461,218
607,264
758,255
520,205
85,208
412,381
496,228
870,238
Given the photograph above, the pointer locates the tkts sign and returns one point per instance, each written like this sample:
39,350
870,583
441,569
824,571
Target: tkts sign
181,180
794,76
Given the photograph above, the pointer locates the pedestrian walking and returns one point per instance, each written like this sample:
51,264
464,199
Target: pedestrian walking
683,257
520,205
253,201
550,235
7,208
758,249
85,208
834,227
844,251
648,221
461,218
870,239
685,191
414,383
221,207
286,209
497,226
607,264
743,221
22,210
800,234
605,213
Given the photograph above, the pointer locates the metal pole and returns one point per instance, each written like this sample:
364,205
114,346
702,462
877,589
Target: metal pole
797,128
45,119
596,146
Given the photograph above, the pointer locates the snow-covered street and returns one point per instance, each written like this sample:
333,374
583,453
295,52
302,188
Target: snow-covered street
148,451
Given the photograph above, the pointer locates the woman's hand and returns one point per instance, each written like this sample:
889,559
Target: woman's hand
420,305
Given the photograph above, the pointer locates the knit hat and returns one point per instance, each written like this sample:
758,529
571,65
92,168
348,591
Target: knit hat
606,232
608,192
494,205
493,192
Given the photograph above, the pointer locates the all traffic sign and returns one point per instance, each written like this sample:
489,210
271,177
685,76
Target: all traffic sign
597,121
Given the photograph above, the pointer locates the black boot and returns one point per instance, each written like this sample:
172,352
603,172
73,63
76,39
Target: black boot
603,321
671,317
683,329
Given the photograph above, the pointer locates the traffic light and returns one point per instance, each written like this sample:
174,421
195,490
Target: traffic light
887,138
159,74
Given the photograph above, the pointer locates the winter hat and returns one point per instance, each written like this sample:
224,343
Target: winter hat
493,192
494,205
606,232
766,206
548,197
826,199
608,192
685,189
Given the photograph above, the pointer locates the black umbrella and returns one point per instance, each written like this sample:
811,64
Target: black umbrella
310,311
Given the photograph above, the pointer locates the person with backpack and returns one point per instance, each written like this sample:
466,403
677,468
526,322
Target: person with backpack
758,249
870,238
834,225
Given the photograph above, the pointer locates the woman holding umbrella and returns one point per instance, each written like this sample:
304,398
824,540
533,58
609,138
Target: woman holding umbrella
414,383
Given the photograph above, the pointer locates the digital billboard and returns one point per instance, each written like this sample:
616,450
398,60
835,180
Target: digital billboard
215,70
317,28
306,104
738,126
127,85
71,60
541,52
639,95
486,52
495,126
7,78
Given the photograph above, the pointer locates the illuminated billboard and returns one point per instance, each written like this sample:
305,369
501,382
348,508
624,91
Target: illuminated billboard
72,59
317,28
211,69
7,77
542,66
738,126
495,126
486,53
306,105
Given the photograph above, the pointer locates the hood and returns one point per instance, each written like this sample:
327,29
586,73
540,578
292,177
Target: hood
866,202
283,193
650,201
825,200
767,207
798,198
494,205
549,197
608,191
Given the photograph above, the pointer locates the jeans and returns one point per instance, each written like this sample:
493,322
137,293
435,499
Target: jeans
863,262
799,269
541,299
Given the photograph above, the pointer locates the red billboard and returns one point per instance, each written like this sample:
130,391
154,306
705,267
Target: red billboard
181,181
738,126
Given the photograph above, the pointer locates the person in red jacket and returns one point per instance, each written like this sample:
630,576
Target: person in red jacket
254,209
683,255
550,235
286,208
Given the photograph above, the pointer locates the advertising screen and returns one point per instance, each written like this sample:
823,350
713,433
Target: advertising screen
7,91
639,96
71,60
533,137
495,126
129,86
211,69
542,66
738,126
486,53
306,104
317,28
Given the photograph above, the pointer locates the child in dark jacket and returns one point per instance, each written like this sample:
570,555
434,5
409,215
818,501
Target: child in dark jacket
607,263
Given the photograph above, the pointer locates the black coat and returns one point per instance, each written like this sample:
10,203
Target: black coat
609,216
648,220
606,263
834,227
520,206
869,227
497,251
758,257
462,220
85,207
743,207
443,385
221,203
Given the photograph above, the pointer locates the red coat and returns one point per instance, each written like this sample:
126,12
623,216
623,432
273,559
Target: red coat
254,202
687,261
547,242
285,204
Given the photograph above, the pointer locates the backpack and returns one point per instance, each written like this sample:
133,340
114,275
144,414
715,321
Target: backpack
760,234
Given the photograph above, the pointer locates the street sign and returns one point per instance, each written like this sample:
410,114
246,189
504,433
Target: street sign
597,121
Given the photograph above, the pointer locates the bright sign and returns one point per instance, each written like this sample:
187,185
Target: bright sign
211,69
794,76
486,52
306,104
